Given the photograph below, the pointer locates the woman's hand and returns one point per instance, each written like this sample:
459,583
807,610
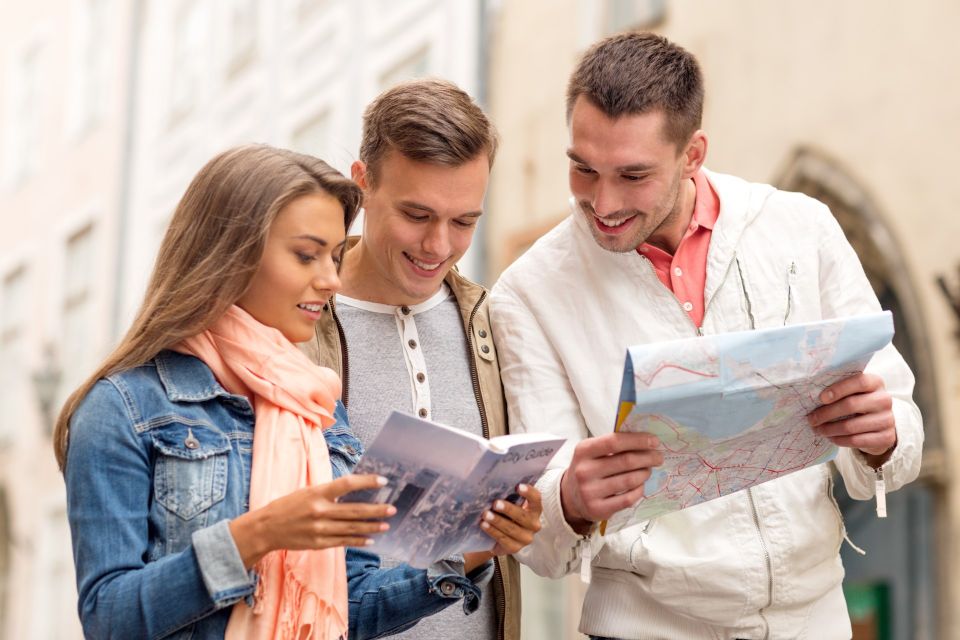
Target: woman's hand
311,518
512,526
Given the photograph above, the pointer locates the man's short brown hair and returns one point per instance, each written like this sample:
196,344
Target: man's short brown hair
633,73
427,120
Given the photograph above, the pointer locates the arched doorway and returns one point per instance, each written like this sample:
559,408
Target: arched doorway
892,592
5,554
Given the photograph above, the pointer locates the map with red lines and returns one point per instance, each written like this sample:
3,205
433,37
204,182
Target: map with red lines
730,410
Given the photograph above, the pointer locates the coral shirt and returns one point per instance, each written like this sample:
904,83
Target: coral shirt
685,272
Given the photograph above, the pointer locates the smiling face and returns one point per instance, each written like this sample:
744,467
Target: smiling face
629,181
298,270
419,219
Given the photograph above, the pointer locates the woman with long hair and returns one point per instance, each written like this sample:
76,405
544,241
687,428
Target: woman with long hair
200,457
199,485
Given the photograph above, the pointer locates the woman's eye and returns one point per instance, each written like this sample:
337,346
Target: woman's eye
466,224
305,258
583,170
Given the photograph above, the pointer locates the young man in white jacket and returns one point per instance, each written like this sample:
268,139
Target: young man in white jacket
657,248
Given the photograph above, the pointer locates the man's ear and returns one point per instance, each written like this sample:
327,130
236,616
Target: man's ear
358,171
695,153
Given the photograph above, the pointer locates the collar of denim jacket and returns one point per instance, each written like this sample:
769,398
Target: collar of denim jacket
187,379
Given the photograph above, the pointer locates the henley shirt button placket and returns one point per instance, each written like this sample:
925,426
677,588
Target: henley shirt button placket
423,413
412,344
421,377
405,310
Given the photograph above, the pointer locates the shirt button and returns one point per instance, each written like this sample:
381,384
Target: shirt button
677,271
482,333
688,306
422,413
412,344
405,310
421,377
447,588
485,349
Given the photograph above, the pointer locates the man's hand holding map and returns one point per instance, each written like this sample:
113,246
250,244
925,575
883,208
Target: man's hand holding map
730,410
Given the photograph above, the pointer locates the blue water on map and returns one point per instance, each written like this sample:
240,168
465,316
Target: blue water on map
762,349
858,337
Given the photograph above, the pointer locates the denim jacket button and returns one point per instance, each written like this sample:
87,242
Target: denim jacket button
447,588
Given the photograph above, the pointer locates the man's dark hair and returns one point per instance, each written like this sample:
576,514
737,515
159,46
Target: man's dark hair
633,73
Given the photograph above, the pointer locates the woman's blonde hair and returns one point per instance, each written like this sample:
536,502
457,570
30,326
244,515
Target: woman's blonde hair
211,251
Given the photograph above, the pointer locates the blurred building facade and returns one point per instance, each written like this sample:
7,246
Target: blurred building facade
109,107
107,110
848,102
62,96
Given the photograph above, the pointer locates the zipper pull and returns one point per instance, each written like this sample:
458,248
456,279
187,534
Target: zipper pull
880,486
585,560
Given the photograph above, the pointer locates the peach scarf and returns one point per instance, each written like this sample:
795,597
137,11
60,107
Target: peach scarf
301,595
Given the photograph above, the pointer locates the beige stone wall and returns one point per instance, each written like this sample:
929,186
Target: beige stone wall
873,87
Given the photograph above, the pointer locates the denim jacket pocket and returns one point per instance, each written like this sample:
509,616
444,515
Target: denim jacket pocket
191,469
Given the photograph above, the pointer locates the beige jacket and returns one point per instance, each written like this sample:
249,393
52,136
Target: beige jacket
330,350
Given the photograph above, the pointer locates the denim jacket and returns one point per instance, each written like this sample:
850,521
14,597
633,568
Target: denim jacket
158,464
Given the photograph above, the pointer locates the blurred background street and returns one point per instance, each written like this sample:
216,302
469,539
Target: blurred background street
109,107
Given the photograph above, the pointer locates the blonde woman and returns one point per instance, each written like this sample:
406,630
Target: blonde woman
195,461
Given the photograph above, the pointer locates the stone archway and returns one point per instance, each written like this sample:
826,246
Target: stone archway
896,587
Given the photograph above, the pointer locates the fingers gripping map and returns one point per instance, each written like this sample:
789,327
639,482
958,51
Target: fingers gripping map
730,409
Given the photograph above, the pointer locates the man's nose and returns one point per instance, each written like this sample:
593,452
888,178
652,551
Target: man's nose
437,241
606,199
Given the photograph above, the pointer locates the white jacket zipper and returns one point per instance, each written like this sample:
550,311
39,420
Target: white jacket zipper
753,503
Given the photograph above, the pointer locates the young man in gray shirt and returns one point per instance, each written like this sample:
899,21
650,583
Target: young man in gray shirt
410,333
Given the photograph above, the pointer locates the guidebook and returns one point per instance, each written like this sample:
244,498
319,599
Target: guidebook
730,410
441,480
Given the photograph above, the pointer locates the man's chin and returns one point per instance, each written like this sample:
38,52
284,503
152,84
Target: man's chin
424,288
615,244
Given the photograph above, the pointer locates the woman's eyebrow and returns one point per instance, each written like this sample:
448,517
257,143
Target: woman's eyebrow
307,236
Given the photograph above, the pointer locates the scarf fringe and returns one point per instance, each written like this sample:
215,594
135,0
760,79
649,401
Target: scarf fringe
293,619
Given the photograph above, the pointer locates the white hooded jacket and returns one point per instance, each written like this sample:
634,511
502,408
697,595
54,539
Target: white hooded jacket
762,563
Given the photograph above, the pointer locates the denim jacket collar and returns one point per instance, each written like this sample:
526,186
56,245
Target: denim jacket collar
187,378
